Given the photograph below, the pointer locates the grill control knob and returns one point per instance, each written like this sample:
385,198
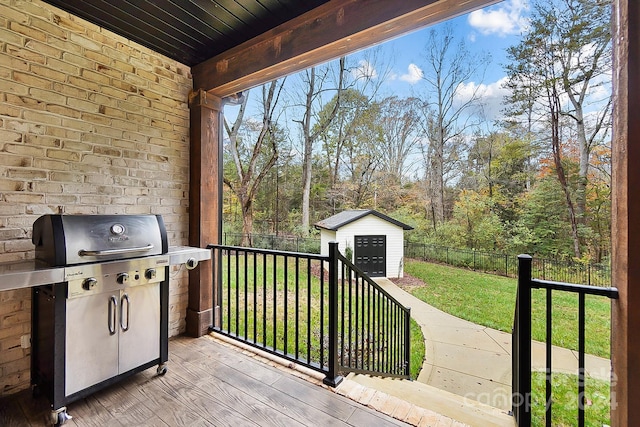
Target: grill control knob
150,274
123,278
89,284
191,263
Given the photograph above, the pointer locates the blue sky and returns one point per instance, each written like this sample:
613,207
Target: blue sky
489,30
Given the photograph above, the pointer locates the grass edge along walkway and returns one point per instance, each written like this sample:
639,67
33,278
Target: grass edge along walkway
564,385
489,300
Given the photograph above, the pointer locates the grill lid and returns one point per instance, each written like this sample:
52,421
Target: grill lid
77,239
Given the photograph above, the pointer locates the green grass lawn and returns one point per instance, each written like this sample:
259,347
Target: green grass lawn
490,301
281,308
417,350
564,411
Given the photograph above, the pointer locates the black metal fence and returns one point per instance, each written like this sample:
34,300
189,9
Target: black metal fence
278,242
318,311
507,265
488,262
521,342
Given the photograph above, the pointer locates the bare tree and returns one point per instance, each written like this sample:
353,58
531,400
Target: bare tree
253,158
364,76
555,70
583,46
311,129
447,113
399,123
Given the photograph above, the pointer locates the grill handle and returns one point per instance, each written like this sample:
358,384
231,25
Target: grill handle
109,252
113,304
125,298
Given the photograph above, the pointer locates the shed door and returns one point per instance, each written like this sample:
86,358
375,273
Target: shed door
370,255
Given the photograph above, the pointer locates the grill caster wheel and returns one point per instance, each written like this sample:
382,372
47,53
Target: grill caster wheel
60,417
162,369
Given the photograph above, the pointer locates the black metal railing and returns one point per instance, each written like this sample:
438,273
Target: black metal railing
561,270
521,342
279,242
319,311
507,265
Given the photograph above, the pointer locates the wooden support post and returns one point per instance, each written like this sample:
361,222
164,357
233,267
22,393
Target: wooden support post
205,189
625,324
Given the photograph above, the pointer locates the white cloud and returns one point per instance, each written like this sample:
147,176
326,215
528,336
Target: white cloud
491,96
502,20
364,70
414,74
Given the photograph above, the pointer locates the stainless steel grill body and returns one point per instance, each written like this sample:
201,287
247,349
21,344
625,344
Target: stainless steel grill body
108,319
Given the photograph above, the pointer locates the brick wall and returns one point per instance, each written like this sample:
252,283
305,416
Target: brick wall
90,123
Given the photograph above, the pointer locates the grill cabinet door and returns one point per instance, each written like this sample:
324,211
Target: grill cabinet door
91,348
139,325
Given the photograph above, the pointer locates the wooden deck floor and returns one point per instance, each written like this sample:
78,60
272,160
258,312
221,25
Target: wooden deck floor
207,384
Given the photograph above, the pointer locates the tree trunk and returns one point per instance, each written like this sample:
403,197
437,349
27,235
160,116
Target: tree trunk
583,171
247,223
310,138
307,155
436,179
562,178
306,185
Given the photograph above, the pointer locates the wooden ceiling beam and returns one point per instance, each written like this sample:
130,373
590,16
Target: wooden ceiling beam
335,29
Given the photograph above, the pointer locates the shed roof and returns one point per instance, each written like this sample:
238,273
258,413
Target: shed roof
345,217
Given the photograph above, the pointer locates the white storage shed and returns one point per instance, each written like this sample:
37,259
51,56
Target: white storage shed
376,240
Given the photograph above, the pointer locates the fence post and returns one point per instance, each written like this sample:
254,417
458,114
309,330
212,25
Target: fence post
333,379
506,265
521,346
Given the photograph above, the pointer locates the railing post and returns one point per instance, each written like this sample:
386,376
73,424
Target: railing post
333,379
407,342
521,351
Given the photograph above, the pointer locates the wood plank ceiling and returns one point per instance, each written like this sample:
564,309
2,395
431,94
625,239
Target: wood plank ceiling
233,45
189,31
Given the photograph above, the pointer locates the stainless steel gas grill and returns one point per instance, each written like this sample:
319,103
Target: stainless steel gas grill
108,317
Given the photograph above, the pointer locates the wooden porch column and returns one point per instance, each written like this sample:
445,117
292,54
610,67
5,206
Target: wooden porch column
204,215
625,325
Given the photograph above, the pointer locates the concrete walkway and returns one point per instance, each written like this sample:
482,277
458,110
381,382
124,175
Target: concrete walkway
471,364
